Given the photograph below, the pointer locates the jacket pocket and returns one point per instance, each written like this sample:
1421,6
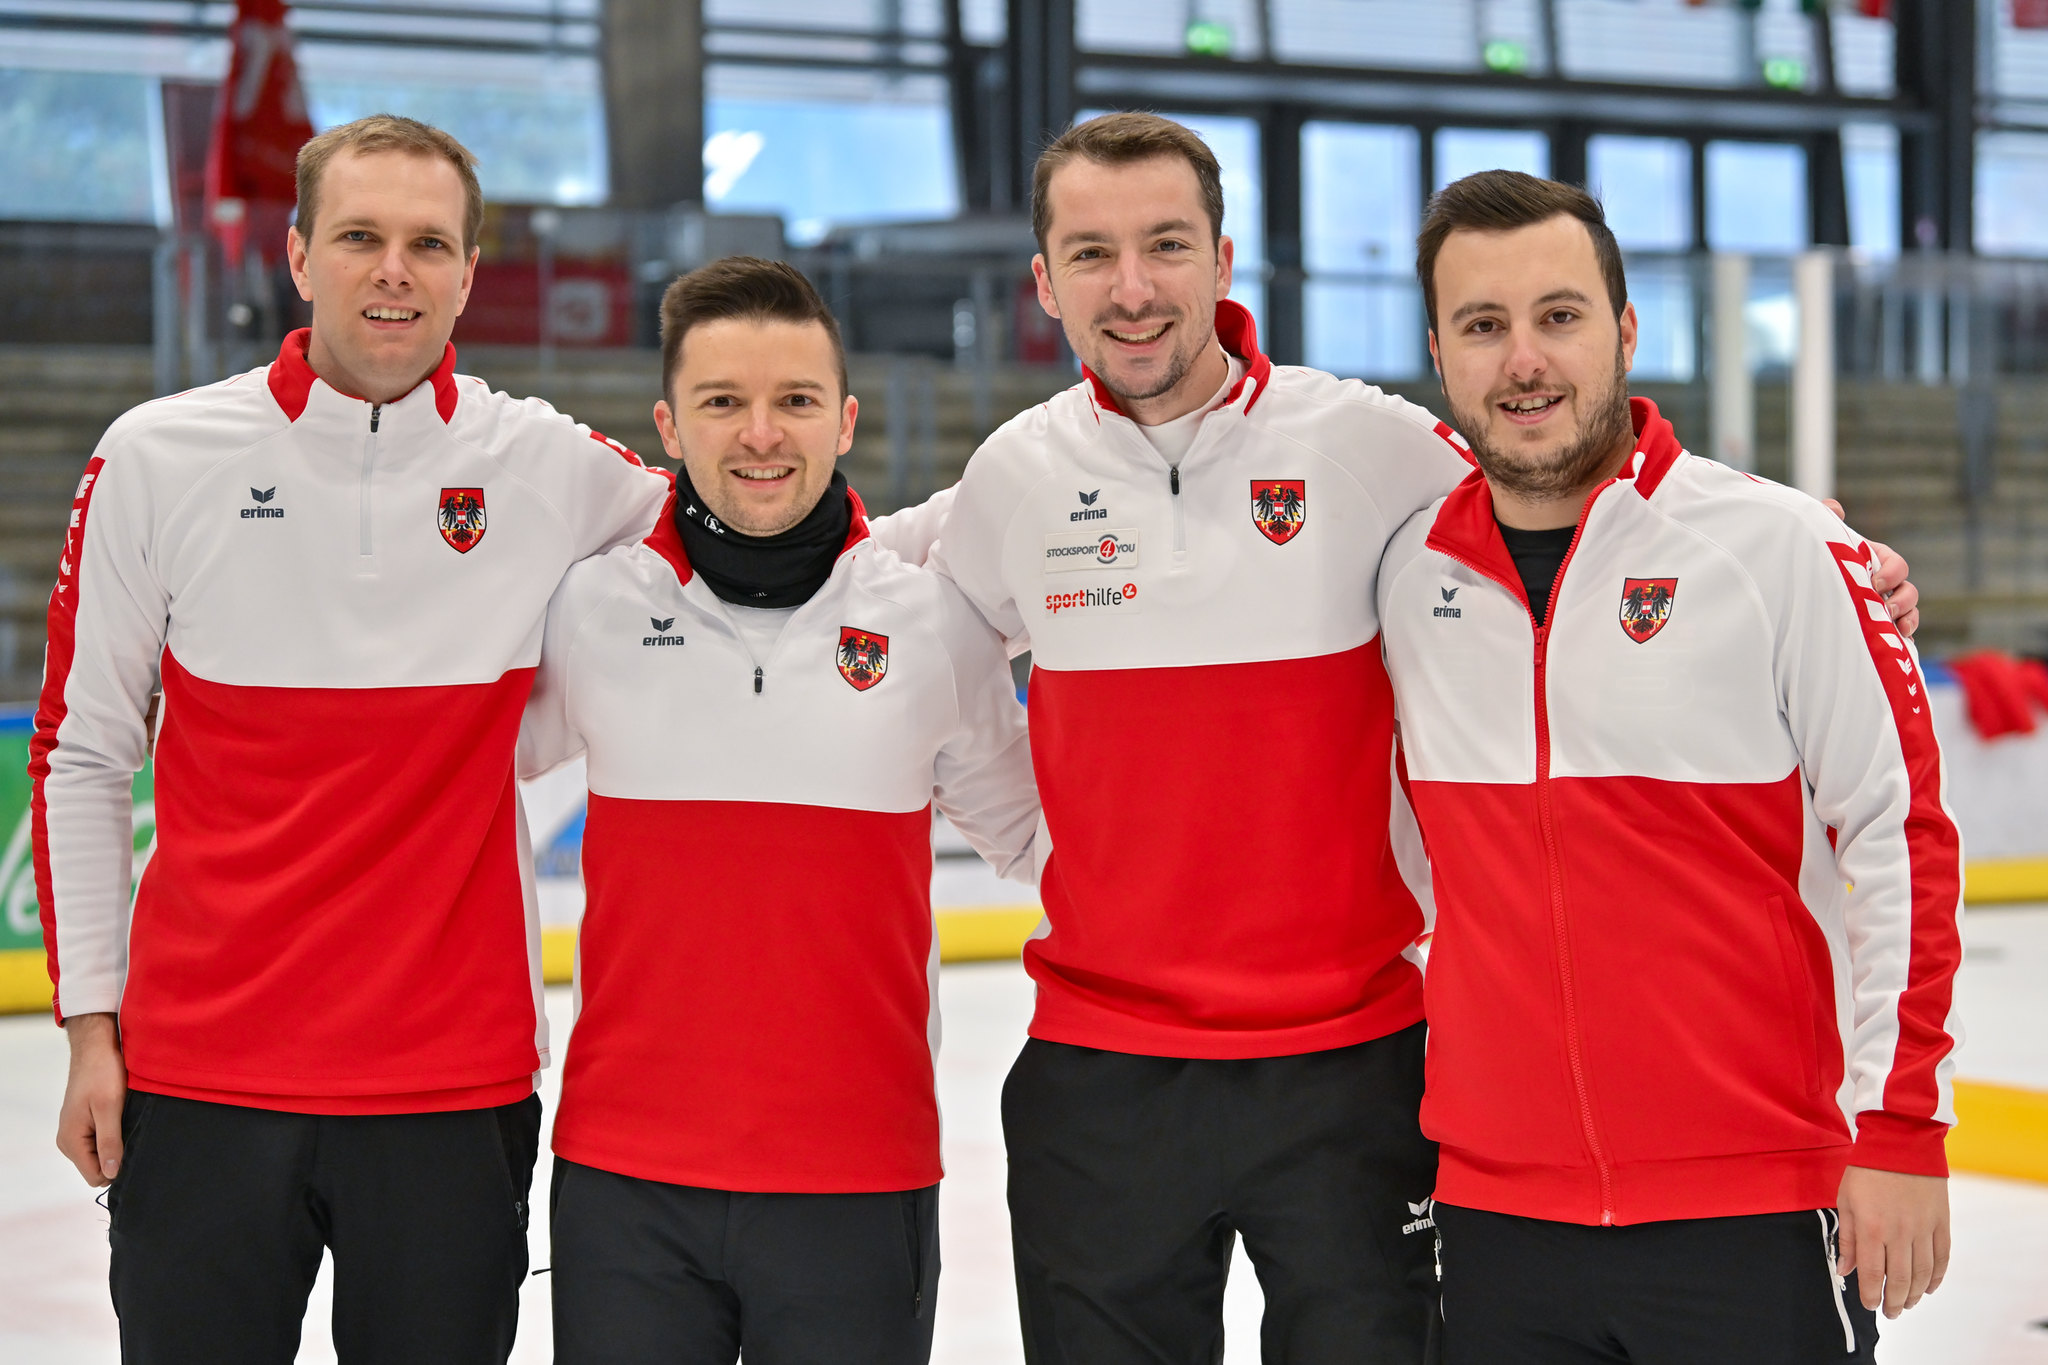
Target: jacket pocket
1799,993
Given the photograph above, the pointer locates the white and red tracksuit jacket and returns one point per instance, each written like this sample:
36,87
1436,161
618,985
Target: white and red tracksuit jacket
756,972
1210,718
1697,891
342,605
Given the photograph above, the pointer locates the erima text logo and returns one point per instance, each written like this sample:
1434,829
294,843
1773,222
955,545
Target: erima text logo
262,495
1423,1217
1447,609
1089,511
661,635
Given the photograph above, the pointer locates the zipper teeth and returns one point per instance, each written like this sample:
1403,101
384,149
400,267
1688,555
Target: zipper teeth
1573,1053
363,545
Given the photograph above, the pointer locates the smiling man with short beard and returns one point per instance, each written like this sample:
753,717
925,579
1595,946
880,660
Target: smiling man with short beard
1690,991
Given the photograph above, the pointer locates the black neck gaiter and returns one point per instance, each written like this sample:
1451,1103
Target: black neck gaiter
782,570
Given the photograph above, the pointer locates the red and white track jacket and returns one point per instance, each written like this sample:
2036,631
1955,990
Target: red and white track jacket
1210,717
342,605
1697,892
756,973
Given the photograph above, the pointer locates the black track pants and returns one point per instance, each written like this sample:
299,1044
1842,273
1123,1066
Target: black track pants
647,1272
1755,1290
1130,1177
220,1213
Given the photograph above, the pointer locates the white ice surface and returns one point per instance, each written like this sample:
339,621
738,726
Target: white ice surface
53,1251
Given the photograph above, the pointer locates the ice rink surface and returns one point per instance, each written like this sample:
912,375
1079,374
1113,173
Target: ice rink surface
1993,1310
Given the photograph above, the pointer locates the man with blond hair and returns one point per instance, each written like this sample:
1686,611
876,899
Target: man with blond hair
319,1024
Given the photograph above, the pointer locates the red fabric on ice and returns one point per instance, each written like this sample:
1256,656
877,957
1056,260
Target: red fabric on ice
1260,913
360,938
2000,692
803,1064
258,128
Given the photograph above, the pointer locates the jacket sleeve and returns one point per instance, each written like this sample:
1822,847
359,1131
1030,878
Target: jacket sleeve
909,534
983,778
1856,704
614,498
107,624
970,550
548,737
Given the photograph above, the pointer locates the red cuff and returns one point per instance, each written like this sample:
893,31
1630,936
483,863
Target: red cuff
1892,1142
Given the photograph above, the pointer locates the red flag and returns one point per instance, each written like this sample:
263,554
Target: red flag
2030,13
1874,9
258,128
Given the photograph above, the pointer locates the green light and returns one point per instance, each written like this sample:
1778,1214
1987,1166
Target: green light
1785,73
1507,57
1206,38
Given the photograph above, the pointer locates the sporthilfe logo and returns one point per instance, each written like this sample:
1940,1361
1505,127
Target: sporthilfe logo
1125,597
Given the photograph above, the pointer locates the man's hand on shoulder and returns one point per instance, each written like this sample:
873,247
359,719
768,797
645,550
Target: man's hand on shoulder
89,1123
1901,597
1894,1234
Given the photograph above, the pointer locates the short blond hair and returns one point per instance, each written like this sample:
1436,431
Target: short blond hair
388,133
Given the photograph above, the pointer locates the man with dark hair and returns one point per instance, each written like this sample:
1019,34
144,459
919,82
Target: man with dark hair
770,703
320,1023
1228,1036
1690,991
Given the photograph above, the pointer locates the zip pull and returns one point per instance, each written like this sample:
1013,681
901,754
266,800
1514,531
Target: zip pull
757,680
1173,478
375,409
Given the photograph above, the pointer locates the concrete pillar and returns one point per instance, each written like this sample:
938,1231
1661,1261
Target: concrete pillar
1733,396
654,101
1813,375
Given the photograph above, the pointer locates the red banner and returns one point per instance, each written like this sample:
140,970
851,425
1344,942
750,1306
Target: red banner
258,128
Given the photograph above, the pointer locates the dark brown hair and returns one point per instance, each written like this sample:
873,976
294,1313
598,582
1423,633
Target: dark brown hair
1500,201
741,287
1119,140
388,133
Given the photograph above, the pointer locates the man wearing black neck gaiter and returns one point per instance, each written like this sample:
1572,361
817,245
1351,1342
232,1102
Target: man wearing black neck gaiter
770,705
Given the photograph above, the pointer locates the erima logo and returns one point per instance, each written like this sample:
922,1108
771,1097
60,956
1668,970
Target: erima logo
1423,1218
661,635
262,495
1089,511
1446,610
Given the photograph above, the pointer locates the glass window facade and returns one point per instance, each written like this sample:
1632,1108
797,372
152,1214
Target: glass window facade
81,146
1461,151
857,148
2012,194
1870,172
1361,197
1645,184
1757,197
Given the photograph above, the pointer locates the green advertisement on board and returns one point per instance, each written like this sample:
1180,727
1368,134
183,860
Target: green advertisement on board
19,925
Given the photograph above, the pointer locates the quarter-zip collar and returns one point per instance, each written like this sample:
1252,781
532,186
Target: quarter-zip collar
667,542
1465,528
1238,335
292,380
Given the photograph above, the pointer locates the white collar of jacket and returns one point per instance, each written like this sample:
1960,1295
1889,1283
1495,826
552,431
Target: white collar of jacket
1239,336
1465,528
298,390
667,542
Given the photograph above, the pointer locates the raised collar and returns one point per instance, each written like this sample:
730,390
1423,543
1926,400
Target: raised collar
1465,528
667,542
1238,335
292,378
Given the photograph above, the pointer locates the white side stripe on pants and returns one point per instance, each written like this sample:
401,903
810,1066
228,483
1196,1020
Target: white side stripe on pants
1830,1224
